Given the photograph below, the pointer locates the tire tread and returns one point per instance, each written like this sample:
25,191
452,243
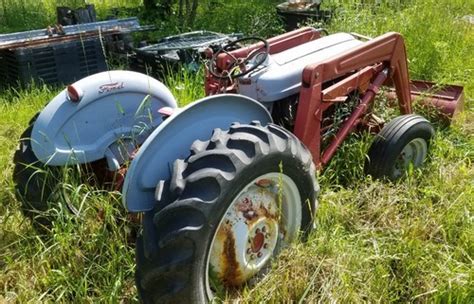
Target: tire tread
200,165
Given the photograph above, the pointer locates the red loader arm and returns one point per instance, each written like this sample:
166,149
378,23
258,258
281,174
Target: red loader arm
372,64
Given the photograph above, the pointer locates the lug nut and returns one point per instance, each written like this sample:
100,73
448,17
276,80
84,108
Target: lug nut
252,256
257,231
265,246
259,254
264,229
249,250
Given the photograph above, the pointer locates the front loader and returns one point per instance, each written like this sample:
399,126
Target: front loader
227,182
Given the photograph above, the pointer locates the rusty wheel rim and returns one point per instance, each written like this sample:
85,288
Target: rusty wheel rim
262,219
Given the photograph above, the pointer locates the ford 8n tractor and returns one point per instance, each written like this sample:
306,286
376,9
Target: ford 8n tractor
225,183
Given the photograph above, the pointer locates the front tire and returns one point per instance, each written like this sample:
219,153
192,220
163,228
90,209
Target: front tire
402,143
236,201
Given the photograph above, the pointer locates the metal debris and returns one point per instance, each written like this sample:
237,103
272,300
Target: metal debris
71,32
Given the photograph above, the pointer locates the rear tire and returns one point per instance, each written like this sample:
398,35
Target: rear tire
174,254
35,183
39,187
402,143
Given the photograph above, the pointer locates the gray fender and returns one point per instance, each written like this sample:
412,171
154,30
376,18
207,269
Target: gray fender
116,105
173,138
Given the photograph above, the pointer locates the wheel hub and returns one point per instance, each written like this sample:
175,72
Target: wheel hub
258,240
413,153
263,237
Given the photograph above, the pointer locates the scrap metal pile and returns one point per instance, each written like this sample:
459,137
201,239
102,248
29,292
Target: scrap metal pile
64,54
296,12
60,54
185,49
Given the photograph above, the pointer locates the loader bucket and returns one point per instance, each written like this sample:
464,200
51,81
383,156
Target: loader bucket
447,100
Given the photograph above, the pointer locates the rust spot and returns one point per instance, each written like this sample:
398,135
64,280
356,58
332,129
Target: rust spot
264,183
247,208
263,212
252,213
245,205
231,275
46,41
134,217
101,215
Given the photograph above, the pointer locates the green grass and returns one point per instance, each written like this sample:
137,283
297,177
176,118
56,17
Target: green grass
410,241
18,15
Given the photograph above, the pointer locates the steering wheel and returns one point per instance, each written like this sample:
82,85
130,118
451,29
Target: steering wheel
238,67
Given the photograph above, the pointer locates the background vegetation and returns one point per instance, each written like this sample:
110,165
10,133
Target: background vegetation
411,241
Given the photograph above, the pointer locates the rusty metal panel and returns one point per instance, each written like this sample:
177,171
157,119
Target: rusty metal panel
71,32
447,100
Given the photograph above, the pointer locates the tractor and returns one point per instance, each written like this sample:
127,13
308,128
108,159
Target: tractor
225,183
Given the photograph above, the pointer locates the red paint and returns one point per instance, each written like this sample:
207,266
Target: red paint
386,51
258,241
73,94
447,99
358,70
355,117
166,111
277,44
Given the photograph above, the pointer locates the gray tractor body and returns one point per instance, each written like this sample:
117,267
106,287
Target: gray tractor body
152,165
119,111
116,108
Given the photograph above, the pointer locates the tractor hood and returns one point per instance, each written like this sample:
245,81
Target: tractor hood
281,75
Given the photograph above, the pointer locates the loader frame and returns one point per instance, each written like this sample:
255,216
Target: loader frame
363,70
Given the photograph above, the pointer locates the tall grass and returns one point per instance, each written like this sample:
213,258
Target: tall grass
439,42
186,86
18,15
409,241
